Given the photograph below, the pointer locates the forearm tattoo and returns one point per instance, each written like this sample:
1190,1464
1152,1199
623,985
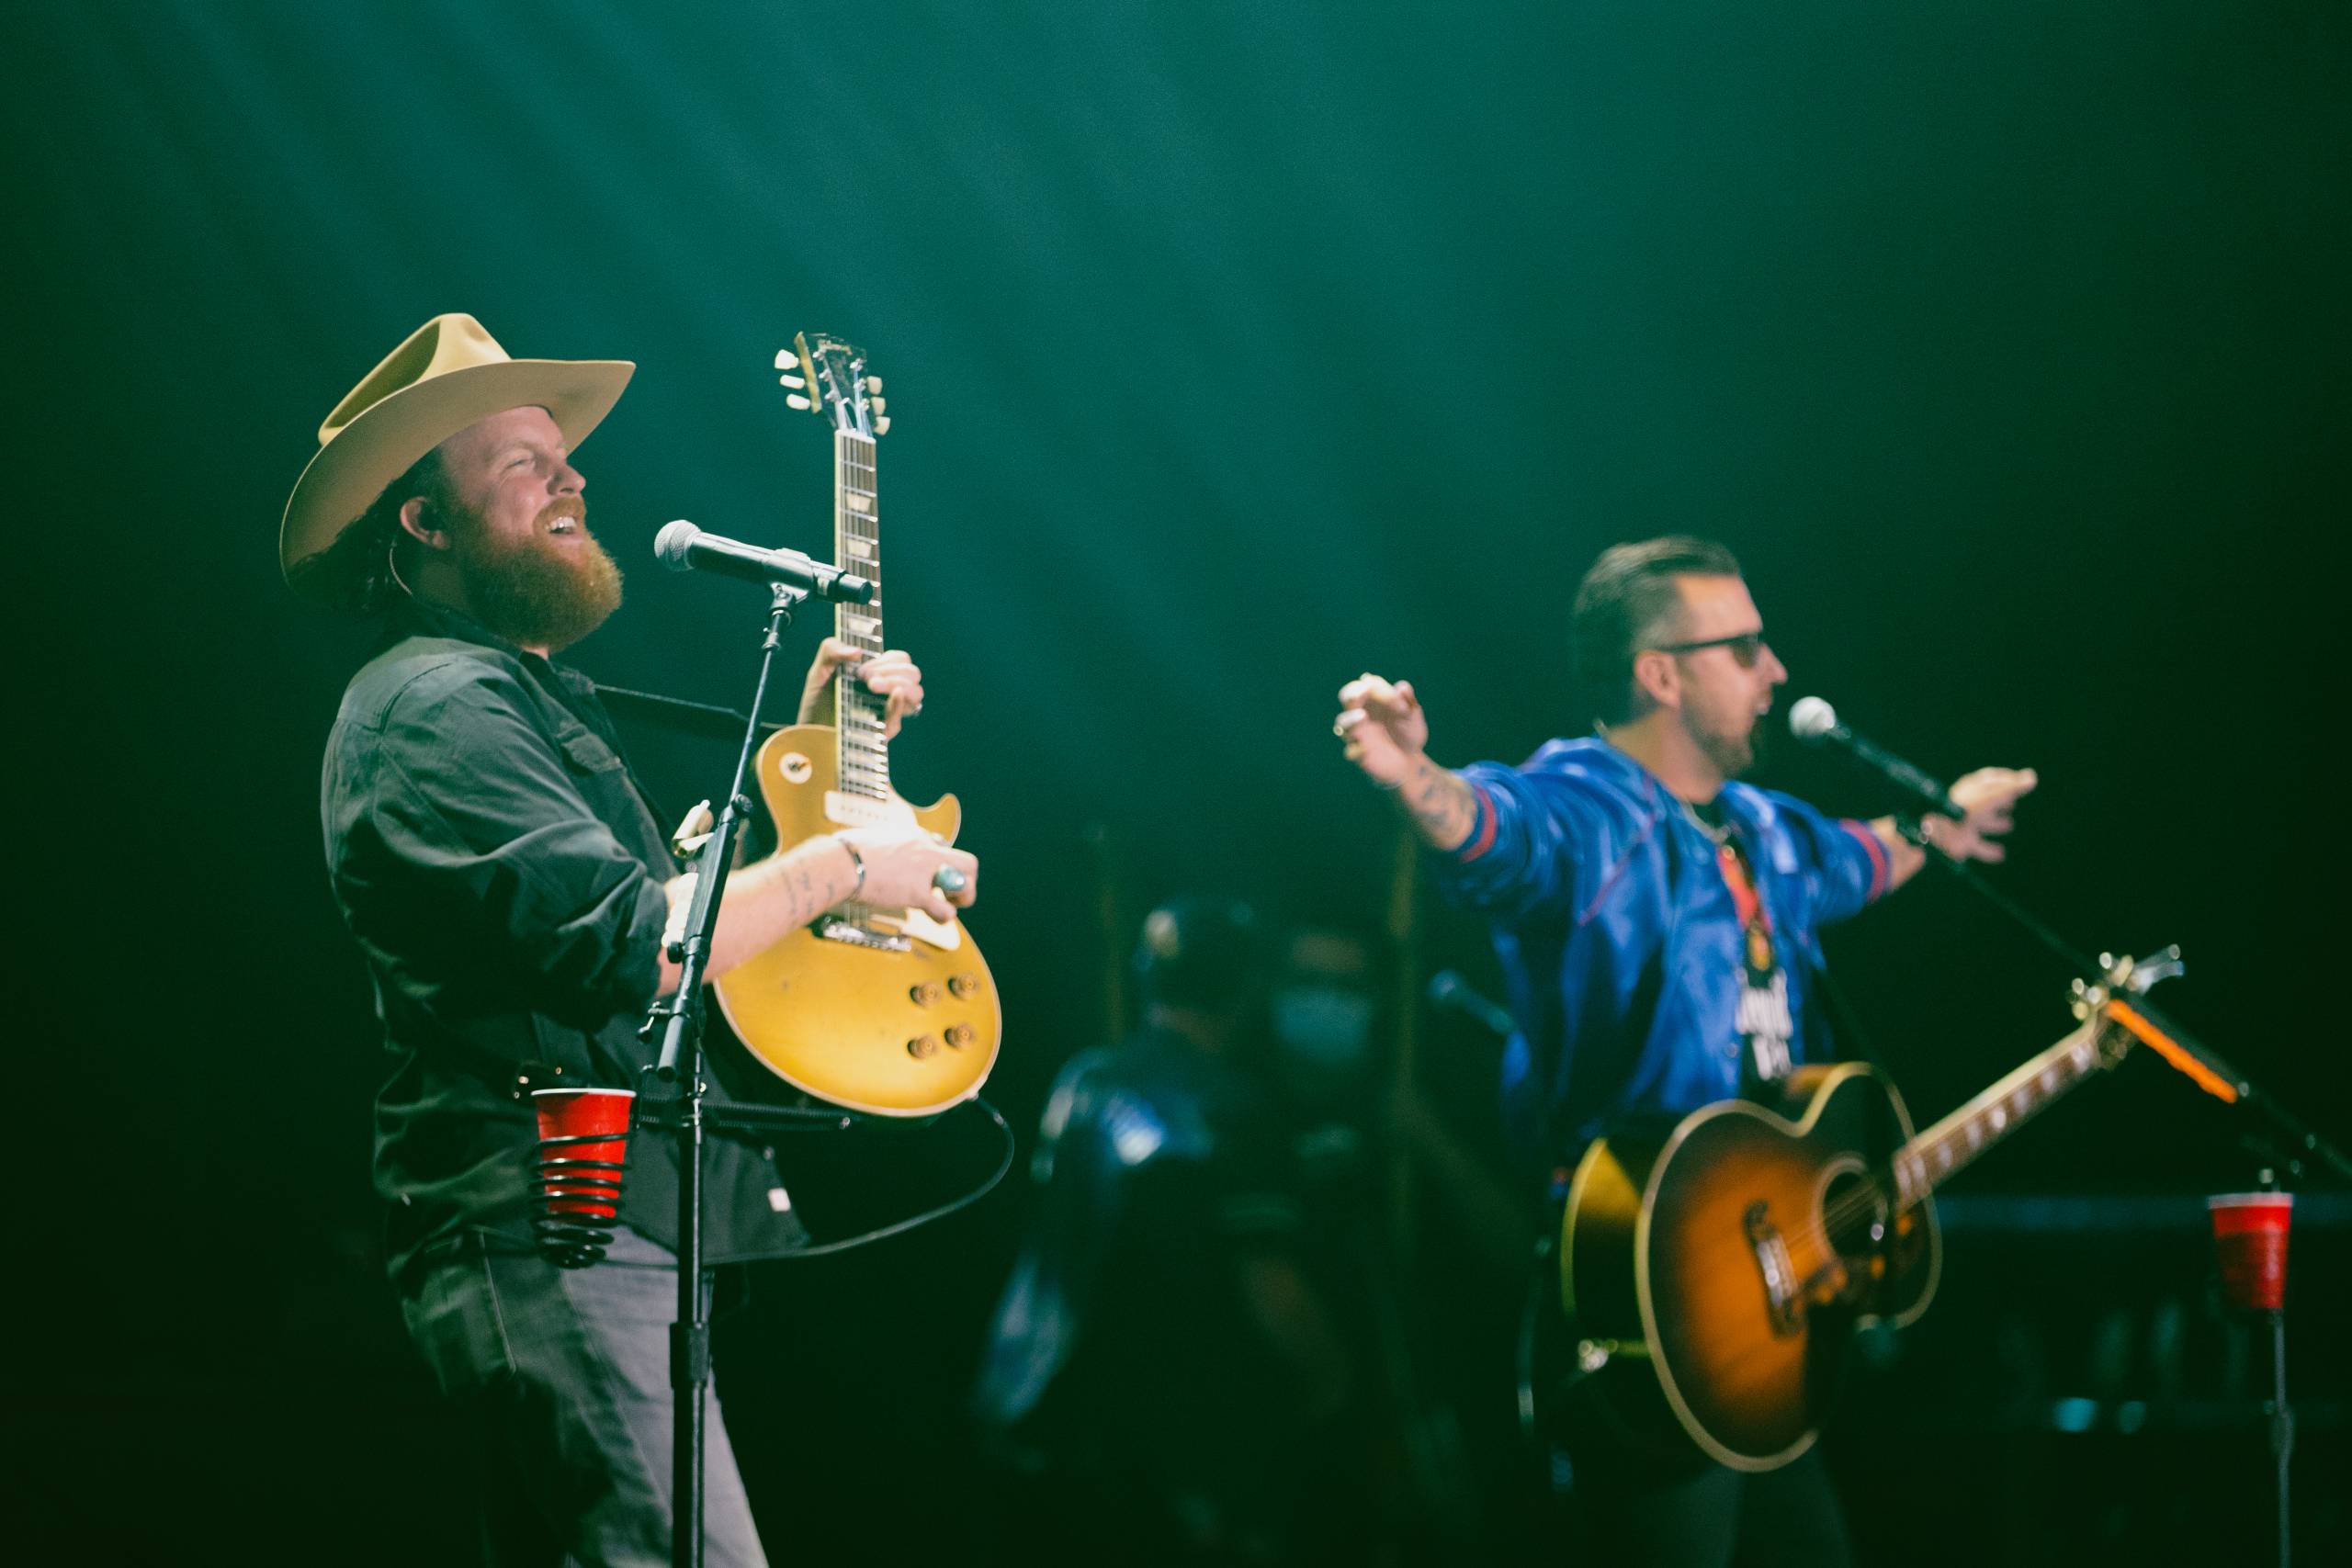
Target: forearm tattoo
1440,803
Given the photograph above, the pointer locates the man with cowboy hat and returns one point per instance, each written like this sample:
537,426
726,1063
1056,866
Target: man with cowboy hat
510,887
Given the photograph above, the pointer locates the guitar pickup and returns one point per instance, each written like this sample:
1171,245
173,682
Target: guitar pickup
833,929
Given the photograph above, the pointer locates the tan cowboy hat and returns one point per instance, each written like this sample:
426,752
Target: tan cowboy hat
448,374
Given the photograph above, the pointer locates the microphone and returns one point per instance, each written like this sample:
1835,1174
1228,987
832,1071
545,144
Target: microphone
1814,721
682,547
1448,989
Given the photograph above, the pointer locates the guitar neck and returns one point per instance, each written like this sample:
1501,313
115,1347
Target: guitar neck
857,548
1943,1150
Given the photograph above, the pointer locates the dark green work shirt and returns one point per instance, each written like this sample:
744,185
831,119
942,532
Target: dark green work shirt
503,873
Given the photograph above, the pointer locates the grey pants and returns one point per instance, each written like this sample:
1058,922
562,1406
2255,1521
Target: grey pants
565,1375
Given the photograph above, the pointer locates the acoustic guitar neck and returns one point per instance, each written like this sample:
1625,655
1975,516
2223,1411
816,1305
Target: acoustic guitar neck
1951,1145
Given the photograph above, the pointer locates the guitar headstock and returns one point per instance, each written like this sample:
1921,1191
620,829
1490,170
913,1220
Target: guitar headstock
831,373
2117,1023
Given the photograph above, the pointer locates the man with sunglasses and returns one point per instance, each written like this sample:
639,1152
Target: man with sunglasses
1658,923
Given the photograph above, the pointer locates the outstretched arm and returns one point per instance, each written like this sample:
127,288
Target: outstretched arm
1385,732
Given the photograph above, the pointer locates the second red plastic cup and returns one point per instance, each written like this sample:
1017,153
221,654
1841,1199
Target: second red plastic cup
2250,1234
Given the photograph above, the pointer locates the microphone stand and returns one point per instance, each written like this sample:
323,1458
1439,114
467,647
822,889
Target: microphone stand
680,1019
2287,1143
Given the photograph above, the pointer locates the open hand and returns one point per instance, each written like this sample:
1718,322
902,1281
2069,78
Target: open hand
1989,795
1383,727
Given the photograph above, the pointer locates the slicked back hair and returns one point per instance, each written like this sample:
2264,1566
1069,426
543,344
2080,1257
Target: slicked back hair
1626,603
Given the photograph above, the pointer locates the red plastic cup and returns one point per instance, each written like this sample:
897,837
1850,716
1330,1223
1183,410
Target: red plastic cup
2250,1233
582,1179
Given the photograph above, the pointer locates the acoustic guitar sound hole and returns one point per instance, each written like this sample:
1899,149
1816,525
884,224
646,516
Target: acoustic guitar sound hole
1855,1217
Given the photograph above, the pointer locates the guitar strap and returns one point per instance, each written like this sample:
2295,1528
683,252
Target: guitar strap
1828,1014
580,698
1767,1032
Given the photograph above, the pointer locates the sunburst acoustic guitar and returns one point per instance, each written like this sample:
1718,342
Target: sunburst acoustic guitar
877,1009
1712,1277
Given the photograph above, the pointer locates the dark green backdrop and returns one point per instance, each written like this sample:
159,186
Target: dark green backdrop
1233,349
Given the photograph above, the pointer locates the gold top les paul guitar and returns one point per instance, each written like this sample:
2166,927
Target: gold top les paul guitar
877,1009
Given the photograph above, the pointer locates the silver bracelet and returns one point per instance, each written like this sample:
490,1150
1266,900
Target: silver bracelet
857,860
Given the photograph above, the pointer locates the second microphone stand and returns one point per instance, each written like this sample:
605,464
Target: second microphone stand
2286,1142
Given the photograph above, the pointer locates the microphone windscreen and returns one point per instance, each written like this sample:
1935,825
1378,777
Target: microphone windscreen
1811,718
671,544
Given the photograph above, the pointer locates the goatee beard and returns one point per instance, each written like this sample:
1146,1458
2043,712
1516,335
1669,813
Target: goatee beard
1734,755
537,594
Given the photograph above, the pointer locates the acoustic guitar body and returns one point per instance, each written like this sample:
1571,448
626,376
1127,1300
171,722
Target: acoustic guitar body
880,1010
1712,1275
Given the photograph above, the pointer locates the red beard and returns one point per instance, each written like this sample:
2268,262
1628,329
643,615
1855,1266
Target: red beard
534,592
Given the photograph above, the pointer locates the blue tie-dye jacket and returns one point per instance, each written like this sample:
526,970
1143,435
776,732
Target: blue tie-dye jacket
1618,937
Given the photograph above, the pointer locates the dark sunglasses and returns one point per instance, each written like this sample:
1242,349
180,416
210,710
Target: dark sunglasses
1743,647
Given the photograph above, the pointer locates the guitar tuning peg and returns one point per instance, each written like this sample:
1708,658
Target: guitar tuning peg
803,404
873,383
881,404
2156,966
795,382
882,425
785,358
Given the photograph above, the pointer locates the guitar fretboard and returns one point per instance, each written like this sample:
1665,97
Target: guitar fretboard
1944,1149
857,548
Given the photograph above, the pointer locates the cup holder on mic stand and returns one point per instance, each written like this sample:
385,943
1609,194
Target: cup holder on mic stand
578,1201
577,1169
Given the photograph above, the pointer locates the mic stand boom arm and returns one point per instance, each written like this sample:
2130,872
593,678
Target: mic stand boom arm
679,1020
2293,1145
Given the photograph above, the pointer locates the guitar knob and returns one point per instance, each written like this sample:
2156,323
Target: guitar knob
924,994
922,1045
960,1035
961,985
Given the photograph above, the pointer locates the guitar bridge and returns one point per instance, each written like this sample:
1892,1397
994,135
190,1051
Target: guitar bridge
1781,1292
834,929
